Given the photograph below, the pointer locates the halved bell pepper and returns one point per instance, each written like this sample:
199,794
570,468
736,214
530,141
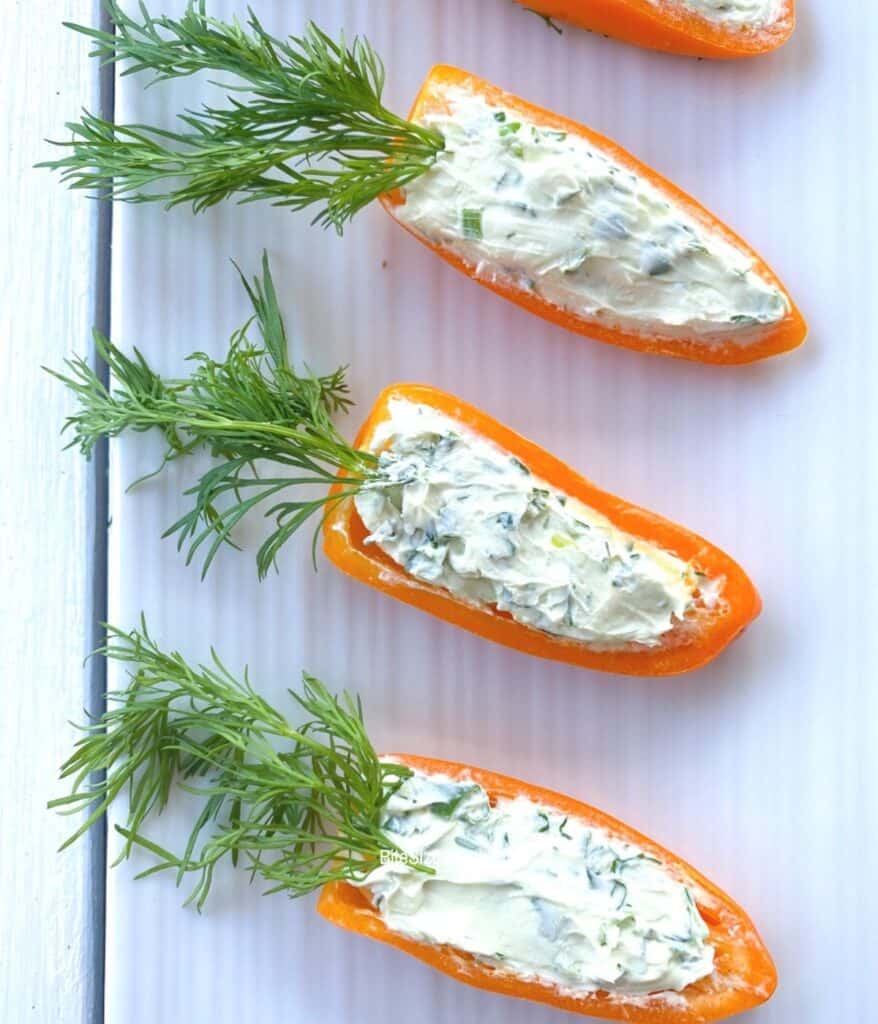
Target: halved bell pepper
692,643
767,340
744,975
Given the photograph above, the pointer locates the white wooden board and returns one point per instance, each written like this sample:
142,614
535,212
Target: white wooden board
48,265
761,768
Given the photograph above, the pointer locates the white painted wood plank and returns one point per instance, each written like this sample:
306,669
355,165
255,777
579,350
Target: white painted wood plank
47,254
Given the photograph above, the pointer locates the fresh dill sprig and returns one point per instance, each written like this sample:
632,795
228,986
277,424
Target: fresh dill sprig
300,804
248,410
311,129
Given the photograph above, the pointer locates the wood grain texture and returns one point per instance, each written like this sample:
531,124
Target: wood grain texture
47,261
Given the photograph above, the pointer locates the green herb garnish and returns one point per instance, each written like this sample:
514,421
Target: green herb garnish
472,224
268,428
300,805
447,808
743,319
311,129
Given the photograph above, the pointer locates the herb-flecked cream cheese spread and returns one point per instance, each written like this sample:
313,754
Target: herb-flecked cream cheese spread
534,893
738,13
548,212
460,513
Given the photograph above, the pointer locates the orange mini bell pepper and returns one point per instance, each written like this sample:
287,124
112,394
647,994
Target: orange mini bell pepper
744,975
322,154
784,335
671,26
692,643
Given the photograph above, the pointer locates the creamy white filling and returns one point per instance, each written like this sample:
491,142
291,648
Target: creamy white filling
535,893
460,513
738,13
550,213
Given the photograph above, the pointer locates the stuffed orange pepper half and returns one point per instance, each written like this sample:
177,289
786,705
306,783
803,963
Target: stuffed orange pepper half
721,29
497,883
568,225
469,521
534,206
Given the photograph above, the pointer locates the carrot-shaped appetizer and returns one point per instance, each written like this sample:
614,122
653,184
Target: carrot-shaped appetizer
496,882
721,29
568,225
436,503
533,206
